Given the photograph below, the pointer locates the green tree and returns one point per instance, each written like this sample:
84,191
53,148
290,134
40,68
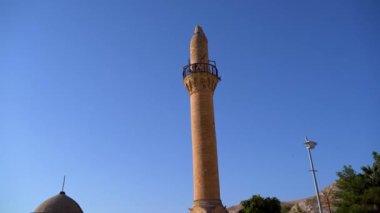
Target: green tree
258,204
359,192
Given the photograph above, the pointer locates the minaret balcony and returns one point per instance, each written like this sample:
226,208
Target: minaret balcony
201,68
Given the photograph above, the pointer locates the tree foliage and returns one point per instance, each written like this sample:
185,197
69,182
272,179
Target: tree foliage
258,204
359,192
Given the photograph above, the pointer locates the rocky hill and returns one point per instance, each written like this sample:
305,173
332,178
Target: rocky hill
307,205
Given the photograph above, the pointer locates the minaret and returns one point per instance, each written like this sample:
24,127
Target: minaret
200,78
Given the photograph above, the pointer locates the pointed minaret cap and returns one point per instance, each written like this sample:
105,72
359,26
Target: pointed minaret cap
198,29
198,46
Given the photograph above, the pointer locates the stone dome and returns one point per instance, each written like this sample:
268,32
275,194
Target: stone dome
60,203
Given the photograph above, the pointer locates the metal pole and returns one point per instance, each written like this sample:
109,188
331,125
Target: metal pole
315,180
63,185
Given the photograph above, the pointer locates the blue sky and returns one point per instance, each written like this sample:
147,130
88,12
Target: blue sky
93,90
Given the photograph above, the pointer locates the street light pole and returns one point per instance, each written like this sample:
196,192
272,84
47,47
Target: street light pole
310,145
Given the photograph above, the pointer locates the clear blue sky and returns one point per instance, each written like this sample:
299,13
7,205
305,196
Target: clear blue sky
93,90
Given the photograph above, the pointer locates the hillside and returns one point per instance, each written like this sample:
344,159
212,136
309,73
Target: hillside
308,204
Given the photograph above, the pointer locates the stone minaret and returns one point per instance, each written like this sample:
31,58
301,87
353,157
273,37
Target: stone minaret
200,78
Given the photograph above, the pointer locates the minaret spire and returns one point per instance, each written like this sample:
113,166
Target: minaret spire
198,29
200,78
198,46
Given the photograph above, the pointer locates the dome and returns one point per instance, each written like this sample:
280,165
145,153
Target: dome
60,203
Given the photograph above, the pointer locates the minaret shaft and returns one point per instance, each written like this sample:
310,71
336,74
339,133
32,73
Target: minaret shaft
205,160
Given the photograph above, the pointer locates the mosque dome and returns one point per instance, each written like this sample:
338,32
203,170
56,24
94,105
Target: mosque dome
60,203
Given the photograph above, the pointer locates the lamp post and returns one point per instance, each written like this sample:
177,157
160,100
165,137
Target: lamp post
311,145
